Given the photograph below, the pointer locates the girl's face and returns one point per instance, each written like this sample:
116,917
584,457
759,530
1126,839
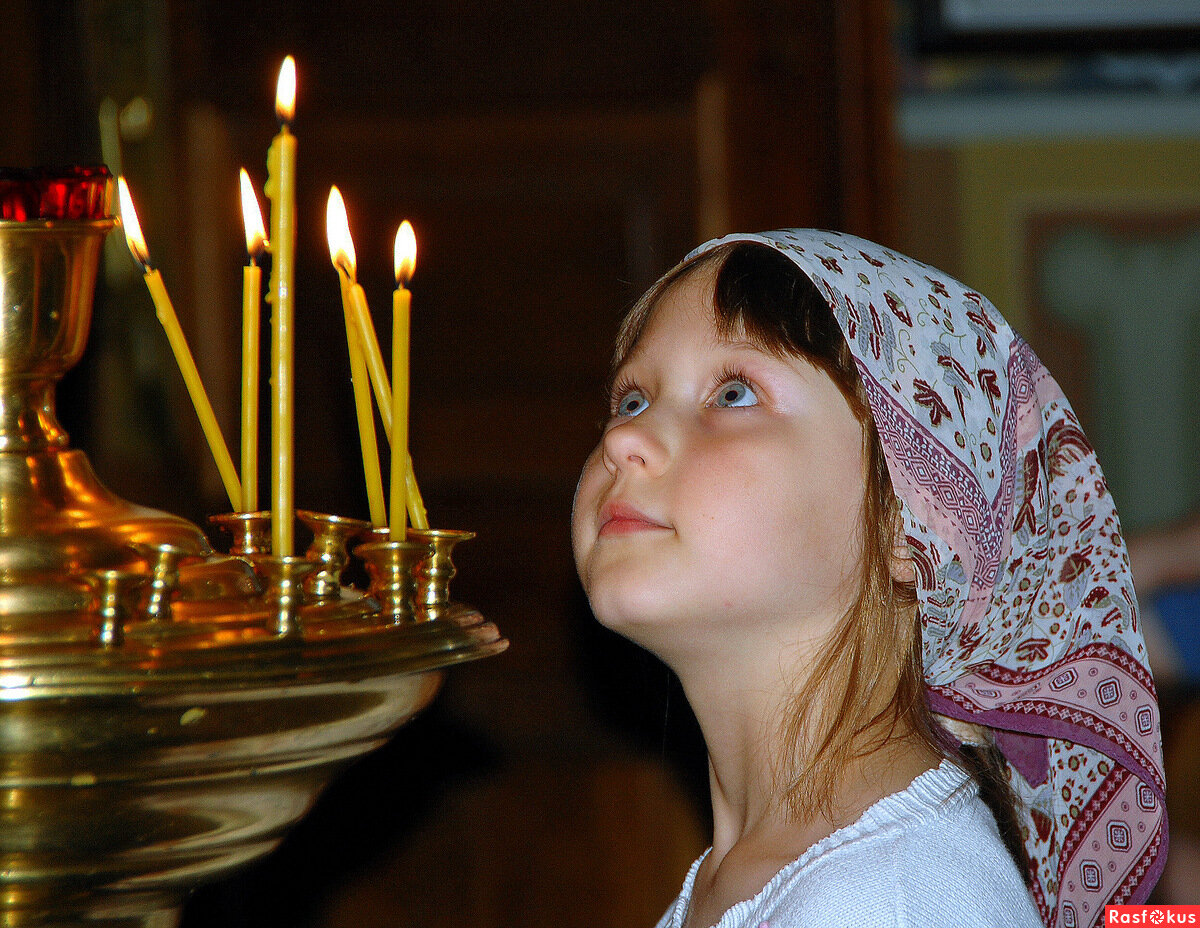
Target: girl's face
725,495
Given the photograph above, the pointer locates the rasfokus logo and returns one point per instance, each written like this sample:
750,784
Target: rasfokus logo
1152,915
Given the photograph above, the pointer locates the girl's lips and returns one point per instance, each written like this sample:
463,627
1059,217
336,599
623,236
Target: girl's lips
620,519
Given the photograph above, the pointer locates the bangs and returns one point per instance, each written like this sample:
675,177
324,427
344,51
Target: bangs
760,295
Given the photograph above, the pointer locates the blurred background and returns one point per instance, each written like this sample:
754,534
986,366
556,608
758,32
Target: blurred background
554,159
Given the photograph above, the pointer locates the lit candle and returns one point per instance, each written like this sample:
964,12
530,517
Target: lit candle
341,253
365,331
256,239
405,262
179,346
360,318
281,190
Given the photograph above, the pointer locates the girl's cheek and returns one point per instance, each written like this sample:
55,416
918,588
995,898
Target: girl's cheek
583,488
575,498
582,505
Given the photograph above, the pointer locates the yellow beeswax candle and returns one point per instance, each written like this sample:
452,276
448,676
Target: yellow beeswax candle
373,359
365,330
372,473
341,253
281,190
405,262
416,505
179,347
372,356
251,294
251,288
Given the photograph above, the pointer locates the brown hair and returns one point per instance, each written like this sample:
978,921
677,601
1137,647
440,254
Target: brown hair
869,682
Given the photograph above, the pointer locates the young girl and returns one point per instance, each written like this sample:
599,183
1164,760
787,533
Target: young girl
855,515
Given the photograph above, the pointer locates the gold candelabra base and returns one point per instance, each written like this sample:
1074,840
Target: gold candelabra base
166,712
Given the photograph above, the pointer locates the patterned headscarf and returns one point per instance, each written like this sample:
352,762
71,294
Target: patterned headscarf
1029,620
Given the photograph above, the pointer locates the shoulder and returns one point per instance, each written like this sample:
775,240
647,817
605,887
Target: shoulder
929,856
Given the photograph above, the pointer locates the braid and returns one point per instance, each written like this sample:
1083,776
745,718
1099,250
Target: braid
989,769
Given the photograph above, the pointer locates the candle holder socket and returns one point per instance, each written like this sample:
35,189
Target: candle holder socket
328,551
433,575
250,531
117,593
391,567
284,579
164,560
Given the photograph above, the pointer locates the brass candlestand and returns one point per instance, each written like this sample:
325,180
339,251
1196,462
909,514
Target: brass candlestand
166,713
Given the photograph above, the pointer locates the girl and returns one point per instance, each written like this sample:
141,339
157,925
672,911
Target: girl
837,495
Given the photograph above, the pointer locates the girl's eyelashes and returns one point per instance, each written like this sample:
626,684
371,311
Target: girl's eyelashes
734,390
626,399
631,404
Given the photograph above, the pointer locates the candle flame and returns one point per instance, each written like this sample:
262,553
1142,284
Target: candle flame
133,229
405,262
256,235
285,90
337,230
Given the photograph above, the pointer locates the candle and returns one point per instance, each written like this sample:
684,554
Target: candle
372,356
341,253
360,315
256,238
179,346
365,331
416,505
405,261
281,190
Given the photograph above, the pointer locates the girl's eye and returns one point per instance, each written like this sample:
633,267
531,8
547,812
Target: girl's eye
631,404
734,393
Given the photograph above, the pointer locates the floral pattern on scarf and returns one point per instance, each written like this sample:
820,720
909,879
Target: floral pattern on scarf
1029,620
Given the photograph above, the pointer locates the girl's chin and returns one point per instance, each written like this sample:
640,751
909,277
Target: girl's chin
656,626
626,617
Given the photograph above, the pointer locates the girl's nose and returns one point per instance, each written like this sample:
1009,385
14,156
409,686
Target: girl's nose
633,445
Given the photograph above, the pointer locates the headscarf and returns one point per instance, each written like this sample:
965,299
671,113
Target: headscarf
1028,615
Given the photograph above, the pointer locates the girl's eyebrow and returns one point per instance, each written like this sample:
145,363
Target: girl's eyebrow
746,344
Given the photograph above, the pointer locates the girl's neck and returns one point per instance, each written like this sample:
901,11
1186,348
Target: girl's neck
755,833
748,851
740,708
